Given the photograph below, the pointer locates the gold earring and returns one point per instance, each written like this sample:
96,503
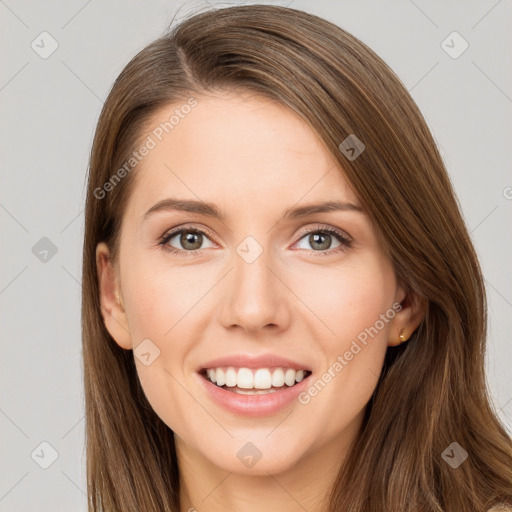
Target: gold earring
402,336
117,298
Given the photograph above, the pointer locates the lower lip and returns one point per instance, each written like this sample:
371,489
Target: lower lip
254,405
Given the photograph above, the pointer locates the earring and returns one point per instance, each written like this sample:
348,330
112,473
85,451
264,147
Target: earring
402,336
117,298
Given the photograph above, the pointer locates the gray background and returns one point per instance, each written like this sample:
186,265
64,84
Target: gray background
49,111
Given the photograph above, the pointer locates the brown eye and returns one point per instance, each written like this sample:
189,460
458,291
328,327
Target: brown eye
186,240
321,240
191,240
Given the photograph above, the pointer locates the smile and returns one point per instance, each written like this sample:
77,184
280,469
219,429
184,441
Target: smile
244,398
250,381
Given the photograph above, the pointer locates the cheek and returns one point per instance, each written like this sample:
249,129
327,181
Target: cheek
165,304
162,305
350,304
349,299
159,298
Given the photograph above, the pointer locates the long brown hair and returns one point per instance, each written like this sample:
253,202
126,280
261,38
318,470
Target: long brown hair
432,391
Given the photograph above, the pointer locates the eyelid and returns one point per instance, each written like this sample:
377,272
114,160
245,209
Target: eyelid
186,227
325,227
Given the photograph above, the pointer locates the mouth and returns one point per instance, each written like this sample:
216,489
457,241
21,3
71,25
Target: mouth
254,385
254,381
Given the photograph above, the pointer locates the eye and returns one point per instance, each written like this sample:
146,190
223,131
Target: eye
321,240
186,239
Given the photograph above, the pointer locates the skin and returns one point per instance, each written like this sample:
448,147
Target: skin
254,159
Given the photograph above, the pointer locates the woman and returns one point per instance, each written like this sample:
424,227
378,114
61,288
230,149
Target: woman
282,308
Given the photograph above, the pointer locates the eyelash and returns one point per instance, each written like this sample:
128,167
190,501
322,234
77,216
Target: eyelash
344,240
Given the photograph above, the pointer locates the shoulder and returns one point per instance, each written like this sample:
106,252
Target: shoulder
500,508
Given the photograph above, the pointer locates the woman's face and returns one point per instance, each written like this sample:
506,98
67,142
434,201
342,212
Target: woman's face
259,295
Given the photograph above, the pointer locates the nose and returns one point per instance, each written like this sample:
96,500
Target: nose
255,297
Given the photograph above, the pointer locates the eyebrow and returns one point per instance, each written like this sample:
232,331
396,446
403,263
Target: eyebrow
211,210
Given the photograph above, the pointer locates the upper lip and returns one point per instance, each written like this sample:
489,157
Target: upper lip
254,361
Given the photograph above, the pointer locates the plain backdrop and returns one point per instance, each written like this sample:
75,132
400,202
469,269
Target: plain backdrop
50,105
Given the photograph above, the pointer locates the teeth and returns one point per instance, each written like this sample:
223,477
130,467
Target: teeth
278,378
260,378
289,377
244,379
220,378
254,391
231,377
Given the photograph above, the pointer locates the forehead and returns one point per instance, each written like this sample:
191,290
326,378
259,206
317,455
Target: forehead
232,148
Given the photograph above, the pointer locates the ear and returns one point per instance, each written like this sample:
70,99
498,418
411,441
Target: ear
111,302
406,321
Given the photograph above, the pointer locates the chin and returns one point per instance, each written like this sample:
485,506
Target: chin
258,455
